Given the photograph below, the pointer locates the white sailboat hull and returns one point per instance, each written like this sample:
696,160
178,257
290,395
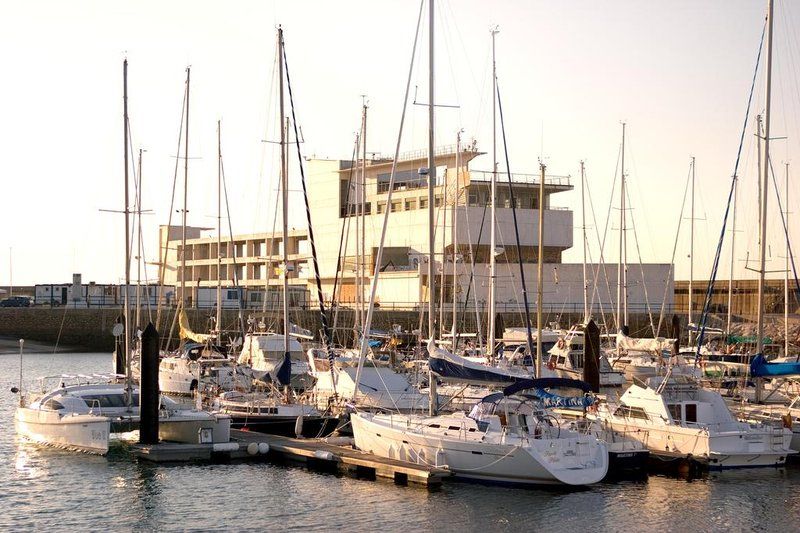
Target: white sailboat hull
85,432
536,463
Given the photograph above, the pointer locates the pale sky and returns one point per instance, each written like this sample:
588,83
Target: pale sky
678,72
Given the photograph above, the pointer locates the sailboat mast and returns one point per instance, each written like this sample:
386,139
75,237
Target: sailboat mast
454,238
139,245
185,193
284,124
126,306
786,272
219,229
493,201
357,201
733,257
431,184
362,187
540,275
622,290
691,254
583,229
764,189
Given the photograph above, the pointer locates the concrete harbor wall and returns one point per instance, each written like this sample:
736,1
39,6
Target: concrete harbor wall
90,329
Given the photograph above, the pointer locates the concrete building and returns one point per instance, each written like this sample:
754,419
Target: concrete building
248,261
338,193
744,301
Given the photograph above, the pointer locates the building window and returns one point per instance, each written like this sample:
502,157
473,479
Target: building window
410,203
381,207
403,180
396,206
437,201
233,295
423,203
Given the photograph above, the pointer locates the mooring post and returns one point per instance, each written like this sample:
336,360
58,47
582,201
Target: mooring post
149,393
591,356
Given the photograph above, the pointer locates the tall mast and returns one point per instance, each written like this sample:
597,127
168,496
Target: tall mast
493,200
583,229
691,254
185,193
431,184
763,208
362,219
759,139
139,244
454,238
357,201
284,123
219,230
126,307
445,186
540,275
786,271
764,188
622,289
733,257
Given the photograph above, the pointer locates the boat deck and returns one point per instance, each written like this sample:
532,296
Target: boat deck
315,453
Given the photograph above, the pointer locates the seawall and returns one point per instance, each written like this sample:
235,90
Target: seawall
91,329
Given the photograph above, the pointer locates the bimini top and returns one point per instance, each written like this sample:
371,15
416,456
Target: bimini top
546,383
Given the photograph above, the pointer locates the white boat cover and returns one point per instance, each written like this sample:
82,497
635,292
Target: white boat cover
654,346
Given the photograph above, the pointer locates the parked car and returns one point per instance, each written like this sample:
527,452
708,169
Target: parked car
16,301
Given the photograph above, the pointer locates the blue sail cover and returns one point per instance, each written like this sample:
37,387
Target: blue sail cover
547,383
453,367
283,370
760,368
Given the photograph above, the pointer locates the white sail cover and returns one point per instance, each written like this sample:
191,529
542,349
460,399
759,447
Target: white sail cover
654,346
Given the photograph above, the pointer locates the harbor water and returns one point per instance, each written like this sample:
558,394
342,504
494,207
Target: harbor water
48,489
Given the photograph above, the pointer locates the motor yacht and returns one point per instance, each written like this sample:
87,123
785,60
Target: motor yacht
677,419
203,368
81,412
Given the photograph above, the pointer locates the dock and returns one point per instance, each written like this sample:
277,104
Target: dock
316,454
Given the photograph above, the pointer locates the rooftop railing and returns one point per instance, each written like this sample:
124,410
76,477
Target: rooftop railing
516,177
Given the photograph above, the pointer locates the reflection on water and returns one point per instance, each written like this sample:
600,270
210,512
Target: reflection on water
46,488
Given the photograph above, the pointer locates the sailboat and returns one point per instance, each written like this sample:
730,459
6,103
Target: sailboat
201,364
277,359
506,438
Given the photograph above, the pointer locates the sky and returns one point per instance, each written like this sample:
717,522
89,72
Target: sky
678,73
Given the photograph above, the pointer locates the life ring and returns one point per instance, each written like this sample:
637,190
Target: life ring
592,408
551,365
561,343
